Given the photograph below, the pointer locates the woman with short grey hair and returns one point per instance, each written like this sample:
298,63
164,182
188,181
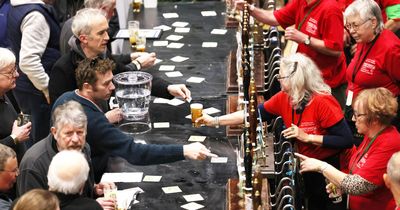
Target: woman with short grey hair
377,58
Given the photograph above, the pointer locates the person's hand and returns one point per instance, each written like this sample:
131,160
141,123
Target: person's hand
21,132
295,35
239,4
147,60
135,55
100,187
179,90
205,120
310,164
107,204
114,115
295,132
197,151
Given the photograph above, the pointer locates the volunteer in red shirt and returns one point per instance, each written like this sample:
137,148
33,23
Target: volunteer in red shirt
374,110
312,116
377,58
316,31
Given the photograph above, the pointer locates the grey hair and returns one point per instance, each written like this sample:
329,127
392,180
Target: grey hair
82,22
367,9
305,81
393,167
70,113
7,58
97,4
68,172
5,154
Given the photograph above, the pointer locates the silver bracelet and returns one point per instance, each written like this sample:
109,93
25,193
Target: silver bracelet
216,122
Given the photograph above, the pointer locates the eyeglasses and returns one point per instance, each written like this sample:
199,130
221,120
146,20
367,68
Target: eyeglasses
291,73
354,26
356,115
11,73
15,171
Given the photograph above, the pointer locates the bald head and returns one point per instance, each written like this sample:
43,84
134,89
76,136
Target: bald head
68,172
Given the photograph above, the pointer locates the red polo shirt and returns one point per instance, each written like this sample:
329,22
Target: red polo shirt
323,22
321,113
371,167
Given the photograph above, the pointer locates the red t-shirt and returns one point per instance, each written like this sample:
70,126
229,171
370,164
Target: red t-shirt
322,23
321,113
380,68
371,167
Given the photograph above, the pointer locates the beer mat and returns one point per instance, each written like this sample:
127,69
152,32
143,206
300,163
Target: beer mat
179,59
192,206
157,61
162,27
188,117
211,110
149,33
161,125
219,160
139,141
122,177
193,197
170,15
195,79
208,13
182,30
209,44
180,24
175,102
197,138
219,31
161,101
175,45
174,37
174,74
172,189
151,178
160,43
166,68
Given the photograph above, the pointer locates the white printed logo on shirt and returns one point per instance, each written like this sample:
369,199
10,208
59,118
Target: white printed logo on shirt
311,26
368,66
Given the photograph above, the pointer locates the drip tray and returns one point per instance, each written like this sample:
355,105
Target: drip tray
135,127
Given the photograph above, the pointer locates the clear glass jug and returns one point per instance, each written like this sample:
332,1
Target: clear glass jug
133,90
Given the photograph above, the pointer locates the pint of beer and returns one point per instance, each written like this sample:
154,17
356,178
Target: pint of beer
197,111
133,29
141,43
136,4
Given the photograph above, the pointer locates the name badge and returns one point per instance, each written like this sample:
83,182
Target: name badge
349,99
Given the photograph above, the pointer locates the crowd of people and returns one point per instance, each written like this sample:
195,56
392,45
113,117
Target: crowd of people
60,73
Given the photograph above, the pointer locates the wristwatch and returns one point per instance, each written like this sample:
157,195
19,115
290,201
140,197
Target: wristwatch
14,138
307,41
137,64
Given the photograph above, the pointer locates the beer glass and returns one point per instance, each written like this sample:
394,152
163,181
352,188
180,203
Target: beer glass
197,111
136,5
141,43
111,193
133,29
337,197
22,119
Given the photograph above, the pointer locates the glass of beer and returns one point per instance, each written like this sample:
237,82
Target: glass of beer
111,193
136,5
133,29
141,43
197,111
22,119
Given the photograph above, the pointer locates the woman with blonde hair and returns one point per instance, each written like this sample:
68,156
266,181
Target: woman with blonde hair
374,110
312,117
37,199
